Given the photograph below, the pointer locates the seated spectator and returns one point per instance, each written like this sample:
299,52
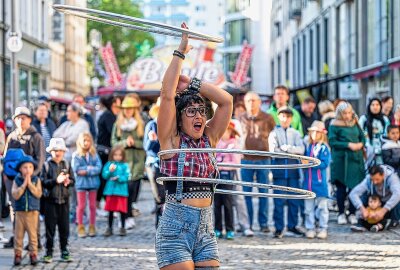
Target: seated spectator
391,148
370,222
384,182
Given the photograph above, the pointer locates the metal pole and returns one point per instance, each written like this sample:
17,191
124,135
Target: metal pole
14,64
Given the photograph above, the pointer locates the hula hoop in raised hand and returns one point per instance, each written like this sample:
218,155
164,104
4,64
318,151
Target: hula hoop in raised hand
301,193
154,27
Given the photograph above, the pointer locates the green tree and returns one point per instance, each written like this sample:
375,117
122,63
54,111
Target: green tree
123,40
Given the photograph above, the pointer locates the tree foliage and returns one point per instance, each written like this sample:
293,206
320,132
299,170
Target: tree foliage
123,40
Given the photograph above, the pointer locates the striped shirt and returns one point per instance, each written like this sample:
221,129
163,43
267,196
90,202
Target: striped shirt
46,136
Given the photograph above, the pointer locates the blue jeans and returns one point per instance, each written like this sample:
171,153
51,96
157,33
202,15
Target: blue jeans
293,205
316,208
185,233
261,177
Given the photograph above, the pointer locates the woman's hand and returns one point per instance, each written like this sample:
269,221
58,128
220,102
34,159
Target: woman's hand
184,47
183,83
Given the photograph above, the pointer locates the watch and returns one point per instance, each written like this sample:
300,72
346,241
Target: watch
195,85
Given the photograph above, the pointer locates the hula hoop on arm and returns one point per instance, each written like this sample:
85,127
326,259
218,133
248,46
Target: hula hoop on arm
153,27
300,193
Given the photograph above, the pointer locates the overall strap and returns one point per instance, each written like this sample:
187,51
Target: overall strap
181,164
214,162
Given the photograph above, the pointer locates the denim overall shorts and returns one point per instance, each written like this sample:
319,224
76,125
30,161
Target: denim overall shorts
185,233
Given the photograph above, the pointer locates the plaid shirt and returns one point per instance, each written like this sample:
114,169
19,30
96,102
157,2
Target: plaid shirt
196,164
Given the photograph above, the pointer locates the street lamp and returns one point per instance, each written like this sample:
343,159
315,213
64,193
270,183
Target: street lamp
95,43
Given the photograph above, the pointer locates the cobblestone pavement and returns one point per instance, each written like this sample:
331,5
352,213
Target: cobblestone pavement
342,250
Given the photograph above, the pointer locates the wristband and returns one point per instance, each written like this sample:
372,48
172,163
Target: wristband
195,85
179,54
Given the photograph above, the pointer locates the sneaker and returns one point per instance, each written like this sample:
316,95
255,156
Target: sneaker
81,231
278,234
248,233
342,220
48,258
101,213
108,232
393,223
218,234
322,234
122,232
92,231
65,256
358,228
265,229
130,223
310,234
352,219
230,235
294,232
10,243
3,239
374,228
17,259
34,259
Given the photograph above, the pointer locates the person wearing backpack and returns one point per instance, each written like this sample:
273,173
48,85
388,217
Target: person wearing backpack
31,142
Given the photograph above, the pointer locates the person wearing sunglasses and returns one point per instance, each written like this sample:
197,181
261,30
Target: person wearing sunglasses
185,236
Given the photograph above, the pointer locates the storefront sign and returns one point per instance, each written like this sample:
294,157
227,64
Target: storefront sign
349,90
239,76
110,63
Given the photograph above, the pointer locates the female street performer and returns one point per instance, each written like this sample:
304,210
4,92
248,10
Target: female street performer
185,237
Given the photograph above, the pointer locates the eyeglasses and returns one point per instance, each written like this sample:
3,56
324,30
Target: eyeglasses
191,111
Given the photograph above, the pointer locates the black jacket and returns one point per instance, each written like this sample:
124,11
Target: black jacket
52,191
51,126
105,125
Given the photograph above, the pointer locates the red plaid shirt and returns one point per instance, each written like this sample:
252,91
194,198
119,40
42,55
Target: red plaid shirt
196,164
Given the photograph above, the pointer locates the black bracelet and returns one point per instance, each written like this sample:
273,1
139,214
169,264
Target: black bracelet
195,85
179,54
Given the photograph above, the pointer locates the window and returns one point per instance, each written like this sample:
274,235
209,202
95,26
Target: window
326,33
237,5
200,8
277,27
200,23
287,65
318,50
311,49
304,59
230,61
237,32
279,70
23,87
35,84
272,75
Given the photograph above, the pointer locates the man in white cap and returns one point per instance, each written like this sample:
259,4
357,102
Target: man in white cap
30,141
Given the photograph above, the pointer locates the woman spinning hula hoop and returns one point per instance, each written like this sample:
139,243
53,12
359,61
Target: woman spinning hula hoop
185,237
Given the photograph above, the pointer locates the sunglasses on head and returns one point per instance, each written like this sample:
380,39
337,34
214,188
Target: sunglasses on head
191,111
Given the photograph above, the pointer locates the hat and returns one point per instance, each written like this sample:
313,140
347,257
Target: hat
130,102
26,159
43,98
234,129
56,144
285,109
318,126
22,111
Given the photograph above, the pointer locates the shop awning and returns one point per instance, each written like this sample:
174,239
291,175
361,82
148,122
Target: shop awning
394,63
368,71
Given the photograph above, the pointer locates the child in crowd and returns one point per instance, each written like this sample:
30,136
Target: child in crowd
370,222
86,165
26,191
57,176
391,148
117,173
228,141
285,139
315,181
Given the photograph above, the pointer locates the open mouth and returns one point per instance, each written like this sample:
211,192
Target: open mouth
197,126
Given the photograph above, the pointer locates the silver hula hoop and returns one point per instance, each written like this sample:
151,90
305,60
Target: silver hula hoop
300,193
154,27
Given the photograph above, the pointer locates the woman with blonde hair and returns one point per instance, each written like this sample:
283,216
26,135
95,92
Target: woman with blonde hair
347,142
128,132
86,165
327,111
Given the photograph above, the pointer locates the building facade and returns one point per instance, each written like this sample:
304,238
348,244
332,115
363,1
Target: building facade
247,20
200,15
336,48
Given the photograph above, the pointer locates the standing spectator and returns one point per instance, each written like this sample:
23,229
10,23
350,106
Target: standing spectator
105,125
374,125
387,107
44,124
315,180
391,148
327,112
384,182
225,201
80,99
86,165
29,140
26,191
281,99
57,176
2,186
396,116
71,129
152,147
285,139
256,127
307,111
128,131
347,169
